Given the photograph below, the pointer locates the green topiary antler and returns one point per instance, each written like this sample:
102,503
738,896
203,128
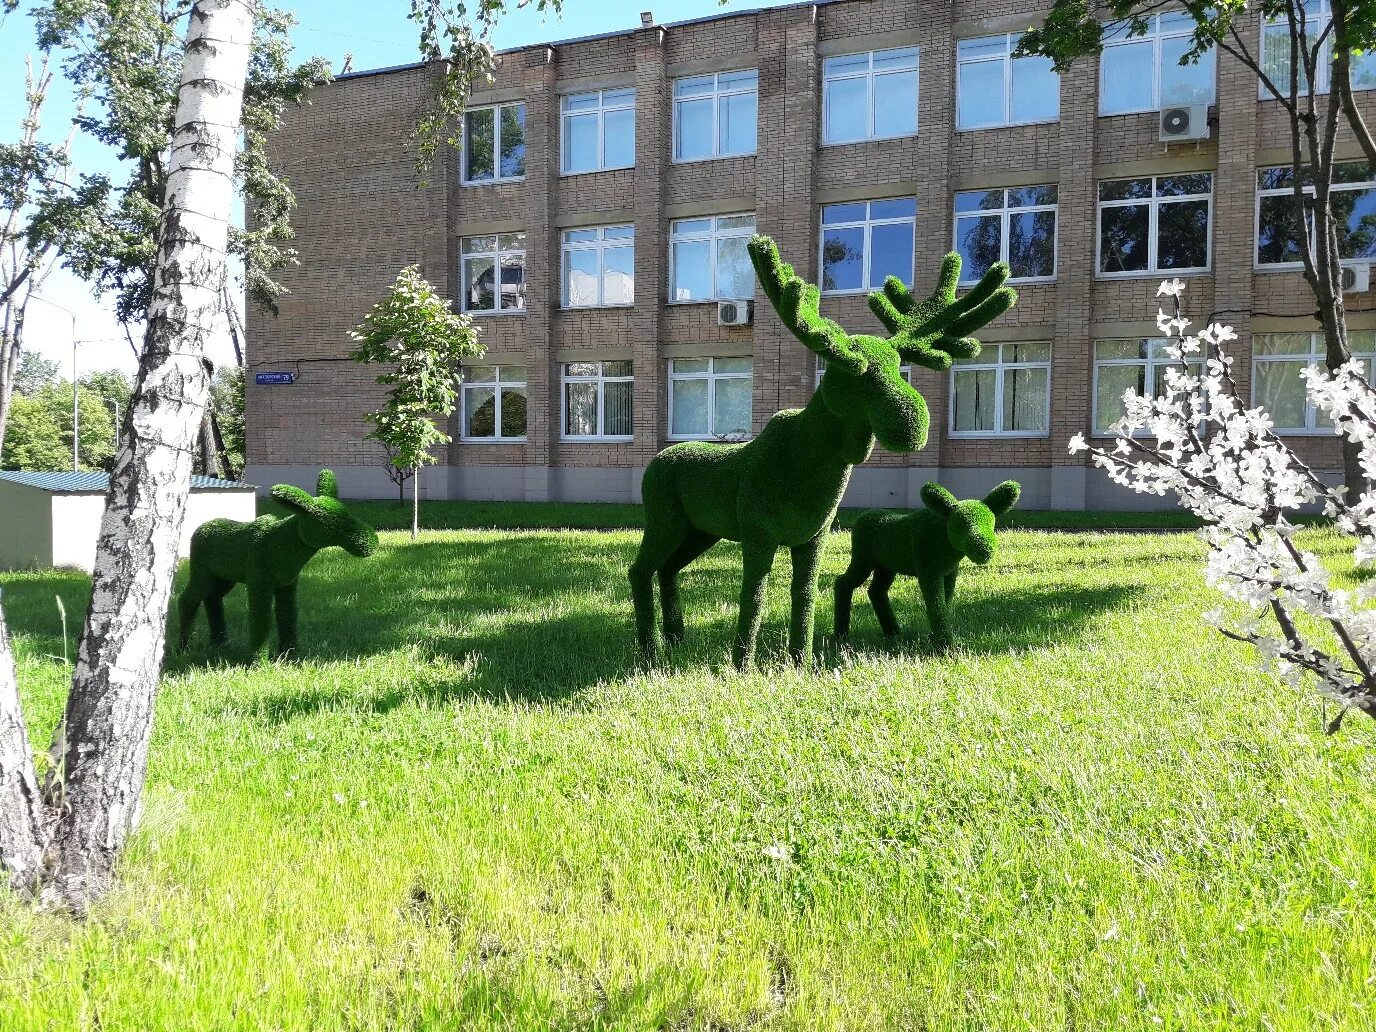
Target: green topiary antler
781,490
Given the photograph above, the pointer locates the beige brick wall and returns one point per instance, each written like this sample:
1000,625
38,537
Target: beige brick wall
364,213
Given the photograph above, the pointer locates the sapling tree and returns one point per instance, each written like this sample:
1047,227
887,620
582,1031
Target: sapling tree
1305,61
1225,463
423,341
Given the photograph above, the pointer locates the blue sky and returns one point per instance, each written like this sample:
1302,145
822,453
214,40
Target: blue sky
376,32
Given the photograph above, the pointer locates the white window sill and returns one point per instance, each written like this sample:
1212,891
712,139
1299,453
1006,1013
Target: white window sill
492,182
1001,435
595,308
1155,274
709,438
596,440
709,301
594,171
492,440
1211,102
713,157
1006,125
484,314
1012,281
869,139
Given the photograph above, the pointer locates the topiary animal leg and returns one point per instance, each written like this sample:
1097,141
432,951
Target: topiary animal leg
661,540
846,584
259,620
879,599
285,601
697,543
806,559
215,612
950,587
934,595
189,602
759,558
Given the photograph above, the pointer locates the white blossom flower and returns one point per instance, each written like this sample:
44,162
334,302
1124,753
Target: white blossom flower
1171,288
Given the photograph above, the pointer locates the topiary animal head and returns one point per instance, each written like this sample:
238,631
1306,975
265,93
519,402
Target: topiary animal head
970,523
323,521
863,380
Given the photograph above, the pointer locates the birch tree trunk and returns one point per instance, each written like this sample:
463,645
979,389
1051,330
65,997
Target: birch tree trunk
101,746
21,809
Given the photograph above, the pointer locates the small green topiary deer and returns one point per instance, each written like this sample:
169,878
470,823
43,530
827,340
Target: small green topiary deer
927,544
781,490
267,555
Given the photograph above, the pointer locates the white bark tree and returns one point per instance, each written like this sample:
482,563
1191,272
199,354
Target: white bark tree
64,846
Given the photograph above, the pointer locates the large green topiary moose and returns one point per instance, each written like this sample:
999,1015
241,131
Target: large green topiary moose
781,490
927,544
267,555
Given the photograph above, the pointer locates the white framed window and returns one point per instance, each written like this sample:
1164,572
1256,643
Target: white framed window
865,242
994,88
1275,54
598,131
1155,224
1278,359
1003,392
1144,73
599,267
493,406
494,273
708,260
871,96
1017,226
1137,364
710,398
715,115
494,144
1352,199
597,401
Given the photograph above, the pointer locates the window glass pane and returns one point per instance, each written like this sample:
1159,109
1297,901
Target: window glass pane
480,409
1351,172
692,270
681,366
513,411
735,274
891,253
1027,196
582,102
582,369
980,94
694,130
580,236
479,244
580,278
1025,396
1113,382
511,242
1364,71
690,226
736,222
689,408
619,233
619,98
621,367
580,409
513,374
979,241
1181,186
478,284
1280,391
480,374
979,200
1275,58
1182,235
1038,351
1272,178
1361,341
847,117
1125,78
580,143
1105,350
1124,189
737,124
972,405
513,282
903,58
732,415
618,139
894,208
1354,211
1282,344
843,259
833,214
1189,83
733,365
513,141
1036,90
616,420
618,276
982,46
1279,238
848,64
1175,22
1123,238
1032,244
895,104
745,79
479,164
697,86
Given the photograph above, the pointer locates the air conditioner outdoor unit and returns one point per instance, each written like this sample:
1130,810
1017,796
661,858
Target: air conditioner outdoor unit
1356,279
735,313
1179,124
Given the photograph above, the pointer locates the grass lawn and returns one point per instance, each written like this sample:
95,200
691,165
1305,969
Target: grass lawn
468,807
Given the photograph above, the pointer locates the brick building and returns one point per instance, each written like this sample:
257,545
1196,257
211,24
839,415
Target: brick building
608,184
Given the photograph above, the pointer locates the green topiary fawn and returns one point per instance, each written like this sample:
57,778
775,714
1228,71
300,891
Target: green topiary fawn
267,555
927,544
781,490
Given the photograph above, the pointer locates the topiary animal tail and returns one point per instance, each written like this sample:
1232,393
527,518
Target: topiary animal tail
928,544
268,556
782,489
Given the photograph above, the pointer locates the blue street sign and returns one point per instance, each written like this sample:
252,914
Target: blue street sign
273,379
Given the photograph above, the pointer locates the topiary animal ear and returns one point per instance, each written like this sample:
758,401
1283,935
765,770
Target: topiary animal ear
938,499
295,498
326,486
1003,497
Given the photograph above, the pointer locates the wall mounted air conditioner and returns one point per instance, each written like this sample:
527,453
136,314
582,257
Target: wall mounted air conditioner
735,313
1182,124
1356,279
